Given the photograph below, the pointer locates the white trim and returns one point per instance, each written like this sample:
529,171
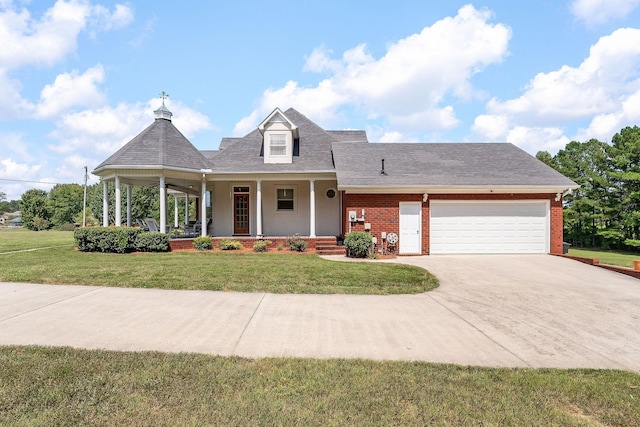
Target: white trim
466,189
232,193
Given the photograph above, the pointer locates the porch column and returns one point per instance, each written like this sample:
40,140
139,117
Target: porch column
175,211
163,206
259,208
203,208
105,204
186,209
118,203
128,205
312,208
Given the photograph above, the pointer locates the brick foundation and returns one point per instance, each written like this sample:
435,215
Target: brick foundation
383,212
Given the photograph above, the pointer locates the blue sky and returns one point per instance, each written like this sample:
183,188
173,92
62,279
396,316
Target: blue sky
79,78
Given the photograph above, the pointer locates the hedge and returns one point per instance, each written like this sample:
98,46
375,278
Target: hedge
119,240
358,244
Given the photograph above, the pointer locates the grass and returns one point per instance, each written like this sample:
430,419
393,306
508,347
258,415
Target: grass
619,258
63,386
219,271
15,239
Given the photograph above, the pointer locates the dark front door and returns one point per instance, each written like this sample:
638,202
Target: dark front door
240,214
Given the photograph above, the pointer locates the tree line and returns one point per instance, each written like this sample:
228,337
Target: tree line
605,211
62,207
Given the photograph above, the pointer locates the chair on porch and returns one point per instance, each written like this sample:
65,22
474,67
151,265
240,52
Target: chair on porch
153,225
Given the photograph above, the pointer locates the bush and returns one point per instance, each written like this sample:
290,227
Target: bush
202,243
67,227
358,244
152,242
40,223
229,245
296,243
261,245
106,239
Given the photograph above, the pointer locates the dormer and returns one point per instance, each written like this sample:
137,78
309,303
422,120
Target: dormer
278,136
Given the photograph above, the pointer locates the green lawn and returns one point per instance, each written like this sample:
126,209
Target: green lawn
620,258
220,271
14,239
62,386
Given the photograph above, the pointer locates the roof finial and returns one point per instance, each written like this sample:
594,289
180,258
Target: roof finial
163,95
163,112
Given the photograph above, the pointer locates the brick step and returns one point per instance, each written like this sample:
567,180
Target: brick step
330,251
328,246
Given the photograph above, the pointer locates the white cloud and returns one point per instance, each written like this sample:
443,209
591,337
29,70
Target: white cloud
407,83
593,12
604,90
104,20
71,90
12,170
95,134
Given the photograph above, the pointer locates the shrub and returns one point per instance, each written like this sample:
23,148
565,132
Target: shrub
40,223
296,243
358,244
229,245
152,242
67,227
106,239
261,245
280,246
202,243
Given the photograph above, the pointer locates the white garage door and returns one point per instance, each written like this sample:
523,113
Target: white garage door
489,227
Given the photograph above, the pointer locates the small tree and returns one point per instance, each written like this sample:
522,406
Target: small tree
34,204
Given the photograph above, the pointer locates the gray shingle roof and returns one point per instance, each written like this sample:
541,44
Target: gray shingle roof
442,164
160,144
243,155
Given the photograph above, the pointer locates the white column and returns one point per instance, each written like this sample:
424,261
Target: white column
312,209
128,205
163,206
259,208
105,204
203,209
186,209
175,211
118,203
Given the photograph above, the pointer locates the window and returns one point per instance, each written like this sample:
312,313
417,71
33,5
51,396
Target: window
278,144
285,199
331,193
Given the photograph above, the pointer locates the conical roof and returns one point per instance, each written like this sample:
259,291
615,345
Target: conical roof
160,145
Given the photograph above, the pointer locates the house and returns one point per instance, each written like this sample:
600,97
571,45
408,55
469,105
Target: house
15,222
291,176
7,216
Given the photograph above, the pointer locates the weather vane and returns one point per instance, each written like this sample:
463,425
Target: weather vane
163,95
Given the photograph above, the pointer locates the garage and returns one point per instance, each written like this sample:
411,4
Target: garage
489,227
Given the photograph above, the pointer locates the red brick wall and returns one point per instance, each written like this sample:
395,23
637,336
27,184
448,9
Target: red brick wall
382,211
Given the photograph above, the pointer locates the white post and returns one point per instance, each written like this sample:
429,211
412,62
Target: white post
203,209
175,211
128,205
163,206
105,204
259,208
312,209
186,209
118,203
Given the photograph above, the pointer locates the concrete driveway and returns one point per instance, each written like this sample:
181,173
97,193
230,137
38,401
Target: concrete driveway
536,311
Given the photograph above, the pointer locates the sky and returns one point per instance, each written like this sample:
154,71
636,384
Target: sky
80,78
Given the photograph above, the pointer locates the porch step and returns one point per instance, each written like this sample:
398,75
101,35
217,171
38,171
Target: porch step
329,246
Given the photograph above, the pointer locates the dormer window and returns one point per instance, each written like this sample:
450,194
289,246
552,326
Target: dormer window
278,144
279,134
